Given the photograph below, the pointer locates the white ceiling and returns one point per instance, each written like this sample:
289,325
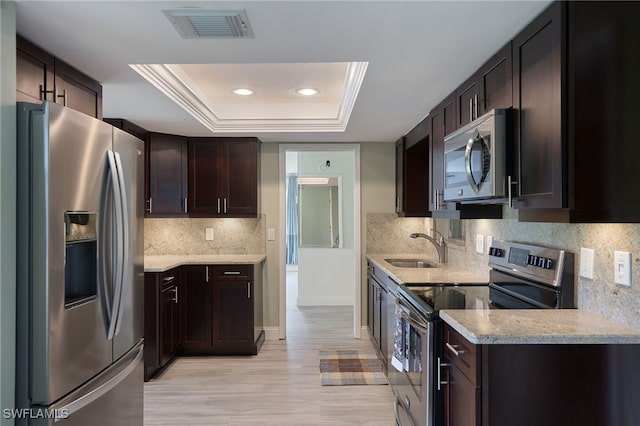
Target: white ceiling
417,52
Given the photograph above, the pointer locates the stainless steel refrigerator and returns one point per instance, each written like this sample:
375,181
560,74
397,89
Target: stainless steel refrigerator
80,270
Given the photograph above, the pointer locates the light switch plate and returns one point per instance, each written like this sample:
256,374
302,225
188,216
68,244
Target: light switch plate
586,263
208,234
271,234
480,244
622,267
489,241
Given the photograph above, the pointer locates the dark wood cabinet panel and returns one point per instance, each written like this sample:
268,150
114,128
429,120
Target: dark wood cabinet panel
488,88
41,76
461,398
242,177
400,176
496,81
77,91
537,384
223,177
417,170
162,319
170,314
222,307
34,73
197,299
233,310
167,175
538,83
467,100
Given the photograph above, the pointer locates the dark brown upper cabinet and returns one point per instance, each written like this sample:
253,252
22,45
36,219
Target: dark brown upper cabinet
576,88
416,170
167,179
223,177
488,88
41,76
400,176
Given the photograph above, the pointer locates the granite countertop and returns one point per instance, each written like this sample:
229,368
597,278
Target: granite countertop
445,273
538,326
166,262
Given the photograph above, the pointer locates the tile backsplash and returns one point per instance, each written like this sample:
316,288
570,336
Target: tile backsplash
387,233
187,236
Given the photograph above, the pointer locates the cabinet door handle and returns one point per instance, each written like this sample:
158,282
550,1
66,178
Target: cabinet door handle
150,201
470,110
207,273
169,279
249,290
43,93
232,272
475,102
218,205
510,183
175,294
454,349
439,381
225,206
63,96
185,206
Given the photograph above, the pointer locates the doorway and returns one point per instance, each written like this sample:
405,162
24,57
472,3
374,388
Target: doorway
320,247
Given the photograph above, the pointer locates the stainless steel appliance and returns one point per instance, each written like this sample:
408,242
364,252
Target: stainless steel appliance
522,276
80,270
475,158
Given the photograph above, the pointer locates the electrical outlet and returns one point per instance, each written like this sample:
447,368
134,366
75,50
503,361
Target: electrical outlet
622,267
208,234
489,241
586,263
480,244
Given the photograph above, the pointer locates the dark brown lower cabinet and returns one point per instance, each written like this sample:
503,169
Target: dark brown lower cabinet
534,384
162,319
223,310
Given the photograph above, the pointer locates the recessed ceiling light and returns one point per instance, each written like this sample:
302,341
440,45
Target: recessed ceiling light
243,92
306,91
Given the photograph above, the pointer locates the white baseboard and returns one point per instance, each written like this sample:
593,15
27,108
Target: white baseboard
271,333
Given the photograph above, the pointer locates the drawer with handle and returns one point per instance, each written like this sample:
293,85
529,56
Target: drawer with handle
461,353
222,272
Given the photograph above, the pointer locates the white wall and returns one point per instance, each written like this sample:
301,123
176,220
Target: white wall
325,275
7,207
328,275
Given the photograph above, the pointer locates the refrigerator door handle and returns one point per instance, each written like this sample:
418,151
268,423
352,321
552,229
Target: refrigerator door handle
105,385
126,240
117,273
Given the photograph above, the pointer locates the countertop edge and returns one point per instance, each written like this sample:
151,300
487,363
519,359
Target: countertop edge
163,263
539,337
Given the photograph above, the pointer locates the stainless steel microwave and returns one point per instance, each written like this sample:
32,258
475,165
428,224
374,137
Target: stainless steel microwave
475,158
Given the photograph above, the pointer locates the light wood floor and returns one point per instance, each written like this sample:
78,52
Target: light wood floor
279,386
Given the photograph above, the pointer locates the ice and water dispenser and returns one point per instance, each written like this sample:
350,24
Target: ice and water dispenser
81,258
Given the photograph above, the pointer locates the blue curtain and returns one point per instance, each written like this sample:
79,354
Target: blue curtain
292,220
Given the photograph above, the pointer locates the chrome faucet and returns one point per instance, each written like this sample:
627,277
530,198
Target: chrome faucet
441,246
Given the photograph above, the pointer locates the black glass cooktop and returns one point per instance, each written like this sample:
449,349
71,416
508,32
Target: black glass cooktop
431,299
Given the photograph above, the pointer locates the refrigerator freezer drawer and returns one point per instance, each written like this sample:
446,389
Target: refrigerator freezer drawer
113,398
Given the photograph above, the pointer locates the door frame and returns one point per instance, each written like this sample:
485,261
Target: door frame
357,212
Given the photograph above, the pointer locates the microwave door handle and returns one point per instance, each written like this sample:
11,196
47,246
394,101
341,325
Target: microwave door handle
467,164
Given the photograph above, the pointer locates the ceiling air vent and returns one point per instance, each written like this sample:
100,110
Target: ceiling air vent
203,23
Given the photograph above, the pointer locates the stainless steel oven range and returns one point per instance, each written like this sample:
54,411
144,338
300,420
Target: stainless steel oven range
522,276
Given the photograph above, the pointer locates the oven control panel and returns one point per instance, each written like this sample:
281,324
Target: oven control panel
535,262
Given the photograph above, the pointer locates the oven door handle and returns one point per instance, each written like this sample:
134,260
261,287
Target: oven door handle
396,404
422,328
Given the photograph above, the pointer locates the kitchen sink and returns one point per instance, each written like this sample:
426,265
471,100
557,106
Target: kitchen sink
411,263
